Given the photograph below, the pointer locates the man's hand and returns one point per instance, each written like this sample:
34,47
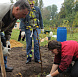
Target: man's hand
22,34
5,51
42,30
8,45
48,75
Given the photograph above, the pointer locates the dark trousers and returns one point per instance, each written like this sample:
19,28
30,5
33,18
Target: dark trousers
19,38
74,70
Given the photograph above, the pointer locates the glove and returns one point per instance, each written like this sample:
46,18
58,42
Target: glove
51,34
8,45
5,51
49,75
22,34
42,30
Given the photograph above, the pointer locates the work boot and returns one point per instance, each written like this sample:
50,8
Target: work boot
9,69
38,61
28,61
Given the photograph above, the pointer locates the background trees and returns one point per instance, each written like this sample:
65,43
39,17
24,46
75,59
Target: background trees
51,16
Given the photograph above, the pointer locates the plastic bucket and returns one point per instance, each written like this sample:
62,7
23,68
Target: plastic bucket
61,34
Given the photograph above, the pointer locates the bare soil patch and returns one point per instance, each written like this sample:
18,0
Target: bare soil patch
17,59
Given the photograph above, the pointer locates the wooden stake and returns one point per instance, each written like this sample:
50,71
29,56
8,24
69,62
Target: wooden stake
2,61
40,55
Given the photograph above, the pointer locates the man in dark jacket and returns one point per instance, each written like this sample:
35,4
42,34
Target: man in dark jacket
31,25
9,13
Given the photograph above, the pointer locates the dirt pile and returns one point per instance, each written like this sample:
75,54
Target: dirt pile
15,43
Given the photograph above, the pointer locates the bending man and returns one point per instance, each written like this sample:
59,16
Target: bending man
9,13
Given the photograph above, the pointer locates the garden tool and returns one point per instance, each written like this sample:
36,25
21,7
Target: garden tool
2,60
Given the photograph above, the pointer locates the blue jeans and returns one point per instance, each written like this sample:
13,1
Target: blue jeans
3,40
5,61
29,44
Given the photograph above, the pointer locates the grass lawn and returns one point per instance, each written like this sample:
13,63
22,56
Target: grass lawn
15,34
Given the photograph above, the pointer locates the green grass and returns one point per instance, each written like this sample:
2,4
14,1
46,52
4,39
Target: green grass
72,37
15,34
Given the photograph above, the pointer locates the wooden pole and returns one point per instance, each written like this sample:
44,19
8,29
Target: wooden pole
40,54
2,60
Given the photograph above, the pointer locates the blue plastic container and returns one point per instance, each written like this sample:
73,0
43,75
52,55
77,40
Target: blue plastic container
61,34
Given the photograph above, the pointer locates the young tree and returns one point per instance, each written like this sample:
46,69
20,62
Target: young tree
36,2
62,13
53,11
11,1
46,14
41,4
76,6
68,4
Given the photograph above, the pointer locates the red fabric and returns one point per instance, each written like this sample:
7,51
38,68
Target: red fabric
69,49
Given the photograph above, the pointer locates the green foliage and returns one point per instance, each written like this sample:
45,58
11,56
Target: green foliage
53,11
40,4
15,34
11,1
68,4
62,13
75,22
49,8
76,6
74,37
36,2
46,14
68,12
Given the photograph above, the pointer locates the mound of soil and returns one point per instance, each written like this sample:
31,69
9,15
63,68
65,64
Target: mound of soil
17,59
15,43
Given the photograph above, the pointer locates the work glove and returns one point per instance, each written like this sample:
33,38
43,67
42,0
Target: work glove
42,30
51,34
22,34
8,45
5,51
49,75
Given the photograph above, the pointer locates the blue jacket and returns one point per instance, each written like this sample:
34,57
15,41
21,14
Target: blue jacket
25,21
